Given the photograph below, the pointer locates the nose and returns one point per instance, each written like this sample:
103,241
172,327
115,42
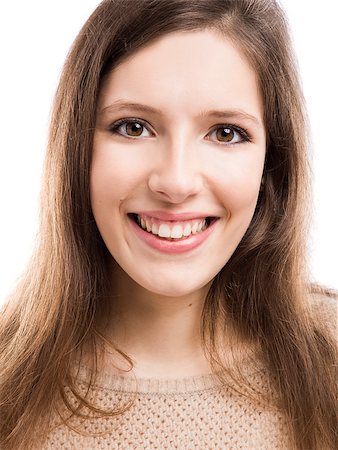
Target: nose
176,175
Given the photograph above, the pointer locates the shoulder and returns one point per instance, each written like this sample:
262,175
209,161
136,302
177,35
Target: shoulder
324,307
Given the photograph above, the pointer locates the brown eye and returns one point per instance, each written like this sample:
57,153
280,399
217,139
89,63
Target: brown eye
229,135
225,134
129,128
133,128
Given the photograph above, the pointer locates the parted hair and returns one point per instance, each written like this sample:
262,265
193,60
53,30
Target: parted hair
263,289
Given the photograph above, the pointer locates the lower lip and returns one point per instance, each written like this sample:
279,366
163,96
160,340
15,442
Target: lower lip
174,246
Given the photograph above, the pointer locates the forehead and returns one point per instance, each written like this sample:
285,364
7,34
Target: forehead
185,72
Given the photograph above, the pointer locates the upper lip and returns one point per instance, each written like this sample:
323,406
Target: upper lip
163,215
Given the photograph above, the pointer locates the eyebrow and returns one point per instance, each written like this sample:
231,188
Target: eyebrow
120,105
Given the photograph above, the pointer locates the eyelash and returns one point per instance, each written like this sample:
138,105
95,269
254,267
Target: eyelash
244,134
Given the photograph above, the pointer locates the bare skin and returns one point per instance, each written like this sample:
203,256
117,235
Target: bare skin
157,354
178,164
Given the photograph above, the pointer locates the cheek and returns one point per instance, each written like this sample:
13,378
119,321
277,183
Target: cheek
113,174
237,181
240,194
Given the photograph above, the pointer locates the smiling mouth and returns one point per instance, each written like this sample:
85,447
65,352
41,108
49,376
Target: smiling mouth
172,230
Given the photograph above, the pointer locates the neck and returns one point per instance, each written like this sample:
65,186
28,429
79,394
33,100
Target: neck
158,332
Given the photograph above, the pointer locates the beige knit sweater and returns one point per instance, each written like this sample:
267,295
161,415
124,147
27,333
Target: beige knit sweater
191,413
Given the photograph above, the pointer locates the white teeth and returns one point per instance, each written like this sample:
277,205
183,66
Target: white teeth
148,225
187,230
176,232
164,230
194,228
154,228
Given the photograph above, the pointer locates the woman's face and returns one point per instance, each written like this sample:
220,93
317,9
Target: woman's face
194,150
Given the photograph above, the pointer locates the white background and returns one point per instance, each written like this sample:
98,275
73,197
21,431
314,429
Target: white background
34,39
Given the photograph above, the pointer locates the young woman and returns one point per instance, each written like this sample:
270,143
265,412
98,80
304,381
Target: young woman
167,304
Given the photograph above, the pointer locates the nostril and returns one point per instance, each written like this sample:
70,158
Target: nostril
174,187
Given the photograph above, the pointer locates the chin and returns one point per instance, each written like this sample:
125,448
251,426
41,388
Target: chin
176,287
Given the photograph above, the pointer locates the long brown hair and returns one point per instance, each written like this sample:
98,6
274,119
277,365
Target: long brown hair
264,286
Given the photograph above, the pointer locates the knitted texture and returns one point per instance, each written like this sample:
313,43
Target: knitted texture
194,413
177,414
